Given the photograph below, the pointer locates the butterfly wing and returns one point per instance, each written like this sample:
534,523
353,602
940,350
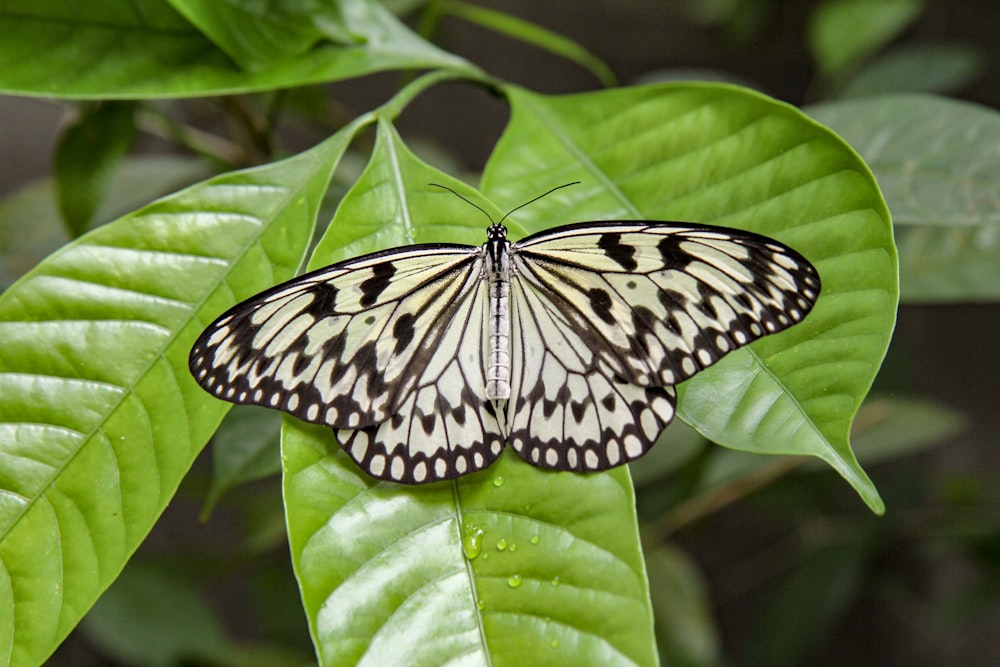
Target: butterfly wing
642,306
444,428
569,410
368,347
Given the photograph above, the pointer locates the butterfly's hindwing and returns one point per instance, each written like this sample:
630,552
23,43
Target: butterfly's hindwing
445,427
568,409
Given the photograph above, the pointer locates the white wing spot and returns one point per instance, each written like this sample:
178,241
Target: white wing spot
551,456
590,459
359,448
647,422
398,467
293,402
377,465
633,446
440,468
613,452
420,472
312,412
275,399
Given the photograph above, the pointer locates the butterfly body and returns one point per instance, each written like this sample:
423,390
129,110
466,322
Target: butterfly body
427,360
496,254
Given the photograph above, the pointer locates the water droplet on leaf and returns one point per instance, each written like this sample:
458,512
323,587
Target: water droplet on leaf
472,540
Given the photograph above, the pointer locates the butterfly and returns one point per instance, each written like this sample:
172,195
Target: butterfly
427,360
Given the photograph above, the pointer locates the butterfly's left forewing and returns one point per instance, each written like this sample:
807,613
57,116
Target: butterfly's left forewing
362,346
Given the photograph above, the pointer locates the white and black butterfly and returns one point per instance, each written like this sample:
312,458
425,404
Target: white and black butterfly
426,360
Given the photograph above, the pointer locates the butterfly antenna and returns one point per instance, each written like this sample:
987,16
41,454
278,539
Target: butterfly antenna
532,201
470,203
507,214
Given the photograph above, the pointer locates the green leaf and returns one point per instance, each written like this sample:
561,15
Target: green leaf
393,204
99,417
30,227
938,163
842,33
66,49
685,629
533,34
509,566
724,155
88,153
254,34
244,449
923,68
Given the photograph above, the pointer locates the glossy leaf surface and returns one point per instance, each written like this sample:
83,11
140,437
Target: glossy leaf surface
99,417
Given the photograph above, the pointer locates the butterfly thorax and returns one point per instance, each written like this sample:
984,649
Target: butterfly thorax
496,255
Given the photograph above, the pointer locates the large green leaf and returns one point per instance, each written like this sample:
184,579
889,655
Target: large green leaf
95,49
99,417
510,566
724,155
938,163
30,228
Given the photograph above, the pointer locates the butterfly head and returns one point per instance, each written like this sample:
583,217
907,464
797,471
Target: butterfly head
496,232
